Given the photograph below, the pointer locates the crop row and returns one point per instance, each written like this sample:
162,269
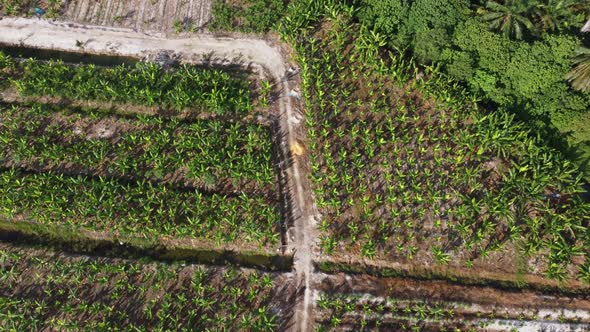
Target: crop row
204,154
355,312
406,170
42,289
202,89
135,208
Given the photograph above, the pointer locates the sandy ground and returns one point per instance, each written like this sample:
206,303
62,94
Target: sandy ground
253,53
522,310
75,37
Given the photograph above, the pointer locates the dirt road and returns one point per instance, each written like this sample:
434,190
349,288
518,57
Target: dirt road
256,54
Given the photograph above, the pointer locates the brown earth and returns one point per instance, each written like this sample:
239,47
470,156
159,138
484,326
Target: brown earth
141,15
470,305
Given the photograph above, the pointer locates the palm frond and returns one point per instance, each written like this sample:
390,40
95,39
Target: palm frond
579,75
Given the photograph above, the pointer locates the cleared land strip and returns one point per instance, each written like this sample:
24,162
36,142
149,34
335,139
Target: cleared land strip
347,303
160,15
74,37
256,54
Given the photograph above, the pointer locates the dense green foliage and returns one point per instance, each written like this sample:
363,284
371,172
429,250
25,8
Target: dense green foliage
424,26
246,15
413,171
41,289
135,208
148,84
207,154
515,54
133,175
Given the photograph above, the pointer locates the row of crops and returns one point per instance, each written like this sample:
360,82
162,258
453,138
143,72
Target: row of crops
408,169
138,176
135,209
188,87
190,154
43,289
363,312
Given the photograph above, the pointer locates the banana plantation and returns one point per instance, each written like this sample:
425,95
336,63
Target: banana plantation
410,169
188,87
199,171
136,175
181,153
318,175
43,289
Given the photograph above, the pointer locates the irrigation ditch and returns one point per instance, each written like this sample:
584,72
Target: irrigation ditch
94,243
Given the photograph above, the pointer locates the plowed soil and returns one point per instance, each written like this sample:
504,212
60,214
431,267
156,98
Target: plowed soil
140,15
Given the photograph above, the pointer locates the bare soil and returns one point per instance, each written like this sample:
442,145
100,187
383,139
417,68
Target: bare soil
470,305
461,275
141,15
437,290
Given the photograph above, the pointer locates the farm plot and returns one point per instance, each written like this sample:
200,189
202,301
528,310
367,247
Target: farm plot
365,312
137,176
186,89
361,302
168,16
42,289
211,154
407,170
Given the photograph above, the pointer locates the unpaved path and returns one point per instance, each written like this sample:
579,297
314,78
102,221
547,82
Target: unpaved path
75,37
254,53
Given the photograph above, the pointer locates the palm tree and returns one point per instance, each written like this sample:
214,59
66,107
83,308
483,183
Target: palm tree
509,18
579,75
552,15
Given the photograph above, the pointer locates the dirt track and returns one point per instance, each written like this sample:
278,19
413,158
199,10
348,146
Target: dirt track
253,53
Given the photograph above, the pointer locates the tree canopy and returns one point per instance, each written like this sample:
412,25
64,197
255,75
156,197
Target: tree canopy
526,56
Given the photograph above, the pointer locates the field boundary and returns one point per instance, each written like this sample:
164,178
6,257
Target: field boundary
457,276
95,243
